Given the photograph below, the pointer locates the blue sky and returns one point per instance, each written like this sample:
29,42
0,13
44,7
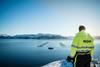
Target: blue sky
45,16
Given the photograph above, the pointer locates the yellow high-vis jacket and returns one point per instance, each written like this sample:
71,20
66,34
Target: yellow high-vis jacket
83,41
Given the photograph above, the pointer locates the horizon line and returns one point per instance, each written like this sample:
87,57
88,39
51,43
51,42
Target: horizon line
41,33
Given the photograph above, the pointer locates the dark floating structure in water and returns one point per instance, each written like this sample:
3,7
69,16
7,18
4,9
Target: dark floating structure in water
50,48
43,44
62,45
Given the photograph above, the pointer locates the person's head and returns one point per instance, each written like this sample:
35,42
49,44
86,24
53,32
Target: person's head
81,27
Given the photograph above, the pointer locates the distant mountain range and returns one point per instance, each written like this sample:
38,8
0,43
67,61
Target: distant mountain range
33,36
97,37
38,36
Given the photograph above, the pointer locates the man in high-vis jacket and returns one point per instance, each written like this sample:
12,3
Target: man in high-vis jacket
82,48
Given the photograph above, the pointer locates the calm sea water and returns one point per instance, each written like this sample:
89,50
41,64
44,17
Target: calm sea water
35,53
